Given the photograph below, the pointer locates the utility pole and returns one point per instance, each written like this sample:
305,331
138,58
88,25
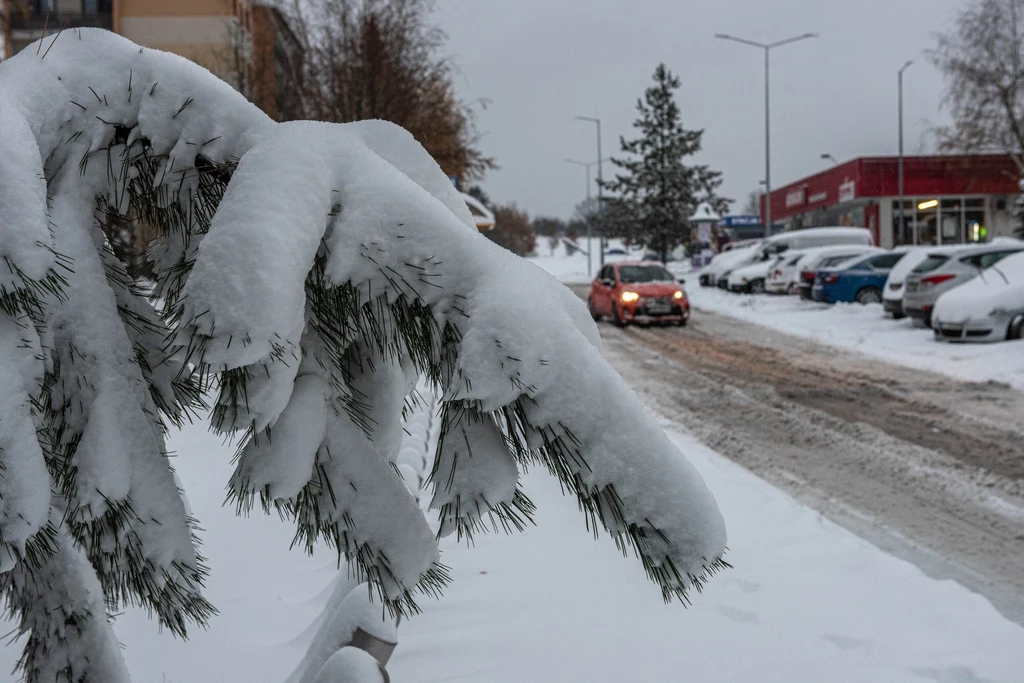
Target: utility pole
767,117
903,224
600,181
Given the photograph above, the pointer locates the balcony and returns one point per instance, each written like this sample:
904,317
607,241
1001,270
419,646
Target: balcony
31,21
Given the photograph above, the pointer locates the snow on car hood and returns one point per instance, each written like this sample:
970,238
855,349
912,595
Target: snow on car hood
985,293
728,259
751,272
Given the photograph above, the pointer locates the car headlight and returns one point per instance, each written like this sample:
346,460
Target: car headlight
997,312
628,297
678,295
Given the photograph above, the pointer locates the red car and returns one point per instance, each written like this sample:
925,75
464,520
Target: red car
638,291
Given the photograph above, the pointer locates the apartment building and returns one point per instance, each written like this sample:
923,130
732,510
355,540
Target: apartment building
213,33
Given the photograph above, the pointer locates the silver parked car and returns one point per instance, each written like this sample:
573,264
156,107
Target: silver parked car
942,271
988,308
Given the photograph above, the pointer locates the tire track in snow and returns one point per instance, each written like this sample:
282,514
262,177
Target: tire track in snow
928,468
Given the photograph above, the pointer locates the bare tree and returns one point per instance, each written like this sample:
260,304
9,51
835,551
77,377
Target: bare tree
981,59
380,59
753,205
513,230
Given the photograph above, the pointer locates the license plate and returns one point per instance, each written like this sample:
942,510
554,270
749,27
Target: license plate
952,328
658,309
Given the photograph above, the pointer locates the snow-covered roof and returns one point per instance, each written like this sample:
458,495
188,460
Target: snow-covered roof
481,214
705,214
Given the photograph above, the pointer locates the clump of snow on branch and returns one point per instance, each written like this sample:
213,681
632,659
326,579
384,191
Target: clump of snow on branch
311,274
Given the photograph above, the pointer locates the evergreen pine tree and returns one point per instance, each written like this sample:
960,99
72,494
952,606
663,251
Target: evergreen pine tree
657,192
306,276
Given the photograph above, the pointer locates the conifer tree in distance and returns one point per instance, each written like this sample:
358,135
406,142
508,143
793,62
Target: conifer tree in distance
656,186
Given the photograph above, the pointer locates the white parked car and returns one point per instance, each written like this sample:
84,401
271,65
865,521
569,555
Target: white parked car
784,278
987,308
727,260
751,279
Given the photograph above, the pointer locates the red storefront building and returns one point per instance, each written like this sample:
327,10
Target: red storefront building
947,199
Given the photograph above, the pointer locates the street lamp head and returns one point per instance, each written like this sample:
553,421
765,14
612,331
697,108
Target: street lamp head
586,118
906,66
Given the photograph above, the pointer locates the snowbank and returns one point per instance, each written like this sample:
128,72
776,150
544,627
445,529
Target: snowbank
866,330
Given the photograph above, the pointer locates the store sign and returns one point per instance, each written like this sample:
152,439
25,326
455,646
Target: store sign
735,221
795,198
847,191
819,197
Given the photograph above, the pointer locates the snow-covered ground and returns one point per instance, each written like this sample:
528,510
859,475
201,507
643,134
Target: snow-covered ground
867,330
807,601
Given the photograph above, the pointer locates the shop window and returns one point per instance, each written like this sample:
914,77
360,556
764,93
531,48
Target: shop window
926,219
951,221
906,235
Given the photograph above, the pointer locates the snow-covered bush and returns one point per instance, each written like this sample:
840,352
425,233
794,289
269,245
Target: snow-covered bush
308,274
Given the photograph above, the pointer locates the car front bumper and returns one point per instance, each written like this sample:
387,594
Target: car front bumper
976,331
653,311
894,307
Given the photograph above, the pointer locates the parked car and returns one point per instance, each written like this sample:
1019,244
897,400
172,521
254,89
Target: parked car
770,247
709,275
859,279
809,269
729,246
941,271
987,308
808,238
751,279
892,295
784,277
638,291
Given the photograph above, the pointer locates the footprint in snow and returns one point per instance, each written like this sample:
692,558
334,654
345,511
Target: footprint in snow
952,674
849,644
743,585
740,615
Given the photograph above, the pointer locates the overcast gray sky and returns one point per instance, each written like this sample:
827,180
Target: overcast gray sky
542,62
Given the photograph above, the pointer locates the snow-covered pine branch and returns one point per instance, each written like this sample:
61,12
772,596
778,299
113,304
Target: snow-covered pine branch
311,273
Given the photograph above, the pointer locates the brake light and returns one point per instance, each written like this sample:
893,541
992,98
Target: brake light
777,273
831,279
807,275
933,280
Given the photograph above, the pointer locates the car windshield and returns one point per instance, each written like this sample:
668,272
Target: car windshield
931,263
633,274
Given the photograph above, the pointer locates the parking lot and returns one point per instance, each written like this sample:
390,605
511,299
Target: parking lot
926,466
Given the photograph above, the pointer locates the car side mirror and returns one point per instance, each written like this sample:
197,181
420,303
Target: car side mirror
682,280
608,283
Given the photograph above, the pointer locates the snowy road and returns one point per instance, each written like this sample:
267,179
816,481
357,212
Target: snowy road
926,467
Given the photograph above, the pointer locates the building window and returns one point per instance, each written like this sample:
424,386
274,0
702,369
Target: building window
974,220
928,220
903,234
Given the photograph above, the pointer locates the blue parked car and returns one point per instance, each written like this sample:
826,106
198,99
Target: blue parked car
861,280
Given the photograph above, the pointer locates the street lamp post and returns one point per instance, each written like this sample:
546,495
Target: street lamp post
587,166
600,187
903,225
767,117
